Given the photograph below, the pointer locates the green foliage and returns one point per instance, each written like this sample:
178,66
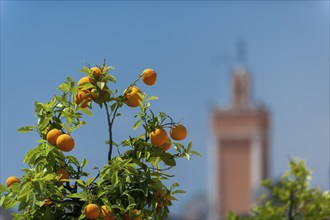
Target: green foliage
132,183
291,198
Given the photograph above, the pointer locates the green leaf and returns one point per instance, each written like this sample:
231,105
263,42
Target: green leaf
114,178
82,195
26,128
86,111
178,191
168,159
195,153
189,147
100,85
89,181
174,185
80,183
73,160
152,98
84,163
137,124
64,87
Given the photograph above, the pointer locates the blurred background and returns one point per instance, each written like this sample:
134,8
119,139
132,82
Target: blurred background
277,52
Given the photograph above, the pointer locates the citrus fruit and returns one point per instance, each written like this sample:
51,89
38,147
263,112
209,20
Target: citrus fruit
92,211
52,136
96,72
158,136
106,213
83,80
132,96
63,174
166,145
149,77
48,202
65,142
82,98
178,132
10,180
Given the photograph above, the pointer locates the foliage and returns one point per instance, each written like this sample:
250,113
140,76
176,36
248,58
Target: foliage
131,185
291,198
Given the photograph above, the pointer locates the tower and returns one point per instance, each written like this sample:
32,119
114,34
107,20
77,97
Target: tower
241,136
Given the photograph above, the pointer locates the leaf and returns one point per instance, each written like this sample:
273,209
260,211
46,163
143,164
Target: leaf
174,185
101,85
80,183
82,196
195,153
114,178
152,98
64,87
86,111
137,124
26,128
178,191
189,147
168,159
84,163
89,181
73,160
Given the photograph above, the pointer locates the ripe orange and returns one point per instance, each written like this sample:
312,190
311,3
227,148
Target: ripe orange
92,211
107,214
96,71
149,77
48,202
158,137
135,211
132,96
83,80
65,142
82,98
12,179
52,136
178,132
166,145
63,174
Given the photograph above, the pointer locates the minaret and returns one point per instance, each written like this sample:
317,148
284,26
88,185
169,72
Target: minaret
241,136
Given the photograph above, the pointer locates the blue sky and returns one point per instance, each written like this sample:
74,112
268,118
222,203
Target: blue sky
192,47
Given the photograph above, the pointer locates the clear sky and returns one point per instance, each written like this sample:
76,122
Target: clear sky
192,47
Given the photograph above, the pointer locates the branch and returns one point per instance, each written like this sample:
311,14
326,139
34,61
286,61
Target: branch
290,214
110,131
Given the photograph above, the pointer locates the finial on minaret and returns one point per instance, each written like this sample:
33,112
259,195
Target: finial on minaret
241,78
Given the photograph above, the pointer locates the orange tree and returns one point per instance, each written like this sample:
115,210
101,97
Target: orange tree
130,186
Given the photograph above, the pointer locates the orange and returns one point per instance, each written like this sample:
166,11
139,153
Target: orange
83,80
48,202
149,77
158,137
83,97
96,72
52,136
126,216
135,211
63,174
104,95
107,215
92,211
178,132
10,180
65,142
166,145
132,96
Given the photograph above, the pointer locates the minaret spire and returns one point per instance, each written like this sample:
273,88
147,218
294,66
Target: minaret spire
241,78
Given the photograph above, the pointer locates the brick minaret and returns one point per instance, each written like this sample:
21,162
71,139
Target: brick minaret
241,136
